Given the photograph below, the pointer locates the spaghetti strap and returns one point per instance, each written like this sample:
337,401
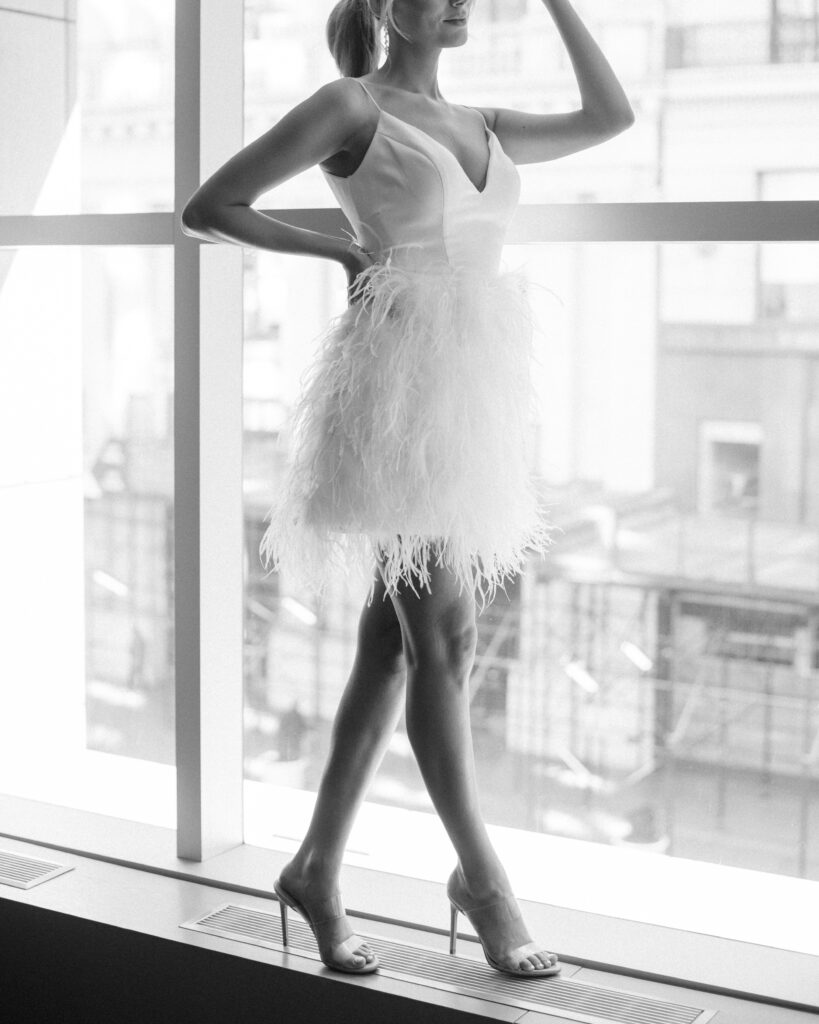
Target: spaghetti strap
364,87
487,129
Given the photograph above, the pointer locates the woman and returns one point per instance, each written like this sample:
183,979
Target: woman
411,430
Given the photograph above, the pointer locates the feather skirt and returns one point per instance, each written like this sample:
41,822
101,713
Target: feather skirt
410,437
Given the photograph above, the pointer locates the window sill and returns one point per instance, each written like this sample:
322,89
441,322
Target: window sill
622,946
129,920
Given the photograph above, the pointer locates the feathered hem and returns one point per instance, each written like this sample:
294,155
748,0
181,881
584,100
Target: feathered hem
410,438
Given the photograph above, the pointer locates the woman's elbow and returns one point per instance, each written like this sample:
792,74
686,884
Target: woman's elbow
624,117
617,123
194,219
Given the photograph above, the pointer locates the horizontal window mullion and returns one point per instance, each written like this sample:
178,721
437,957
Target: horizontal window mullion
88,229
780,221
776,221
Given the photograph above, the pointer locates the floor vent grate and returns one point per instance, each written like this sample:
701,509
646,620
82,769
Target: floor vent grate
590,1004
26,872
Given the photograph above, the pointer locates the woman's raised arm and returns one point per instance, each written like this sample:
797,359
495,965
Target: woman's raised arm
605,111
220,210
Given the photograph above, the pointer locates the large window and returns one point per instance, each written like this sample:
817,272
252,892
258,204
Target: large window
645,699
86,374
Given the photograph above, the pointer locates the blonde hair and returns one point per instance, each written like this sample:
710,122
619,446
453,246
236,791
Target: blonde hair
353,34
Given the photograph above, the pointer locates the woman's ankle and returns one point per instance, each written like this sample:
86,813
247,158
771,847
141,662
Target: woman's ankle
484,878
314,866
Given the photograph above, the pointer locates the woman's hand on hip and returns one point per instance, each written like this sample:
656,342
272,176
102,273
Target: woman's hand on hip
356,261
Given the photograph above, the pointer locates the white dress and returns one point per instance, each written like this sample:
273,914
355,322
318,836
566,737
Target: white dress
411,432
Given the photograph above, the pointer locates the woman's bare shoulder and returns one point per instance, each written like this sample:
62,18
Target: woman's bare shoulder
342,97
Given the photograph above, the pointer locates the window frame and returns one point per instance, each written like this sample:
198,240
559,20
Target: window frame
208,526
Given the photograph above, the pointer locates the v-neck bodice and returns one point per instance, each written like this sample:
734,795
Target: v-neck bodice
489,136
411,198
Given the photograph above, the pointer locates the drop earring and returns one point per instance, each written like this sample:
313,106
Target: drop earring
385,40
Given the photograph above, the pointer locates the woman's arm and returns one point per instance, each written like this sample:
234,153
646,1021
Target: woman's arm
220,210
605,110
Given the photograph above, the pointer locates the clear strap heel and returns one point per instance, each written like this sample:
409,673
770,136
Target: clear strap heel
504,910
316,913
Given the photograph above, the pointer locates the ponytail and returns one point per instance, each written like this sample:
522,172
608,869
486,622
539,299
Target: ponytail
352,35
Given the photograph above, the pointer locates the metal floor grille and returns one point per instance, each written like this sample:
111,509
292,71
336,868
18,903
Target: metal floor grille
591,1004
26,872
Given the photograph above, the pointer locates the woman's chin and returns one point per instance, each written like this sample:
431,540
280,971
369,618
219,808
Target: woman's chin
456,34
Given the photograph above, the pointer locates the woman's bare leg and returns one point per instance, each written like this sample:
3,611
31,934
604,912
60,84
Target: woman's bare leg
440,636
366,719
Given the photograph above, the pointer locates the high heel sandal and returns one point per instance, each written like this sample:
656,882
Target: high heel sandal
316,913
506,909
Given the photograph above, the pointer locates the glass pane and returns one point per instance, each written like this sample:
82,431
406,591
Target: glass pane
723,93
653,682
86,92
86,706
706,81
286,59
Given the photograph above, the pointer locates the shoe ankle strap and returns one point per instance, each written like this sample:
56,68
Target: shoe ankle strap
509,904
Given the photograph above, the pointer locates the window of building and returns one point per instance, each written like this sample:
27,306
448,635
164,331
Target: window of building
729,468
758,32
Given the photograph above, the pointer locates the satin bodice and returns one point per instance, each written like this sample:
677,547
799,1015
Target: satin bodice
410,199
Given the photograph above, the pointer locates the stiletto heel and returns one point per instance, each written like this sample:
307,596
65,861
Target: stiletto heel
283,911
316,913
505,909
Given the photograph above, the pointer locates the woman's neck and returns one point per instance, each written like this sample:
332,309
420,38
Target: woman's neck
411,71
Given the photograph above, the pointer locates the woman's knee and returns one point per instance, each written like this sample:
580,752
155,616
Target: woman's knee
447,647
438,625
460,645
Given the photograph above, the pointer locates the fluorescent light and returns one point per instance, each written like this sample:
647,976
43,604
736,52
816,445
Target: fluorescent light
110,582
261,610
299,611
577,672
637,656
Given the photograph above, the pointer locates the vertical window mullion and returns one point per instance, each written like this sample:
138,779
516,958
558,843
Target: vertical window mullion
208,524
